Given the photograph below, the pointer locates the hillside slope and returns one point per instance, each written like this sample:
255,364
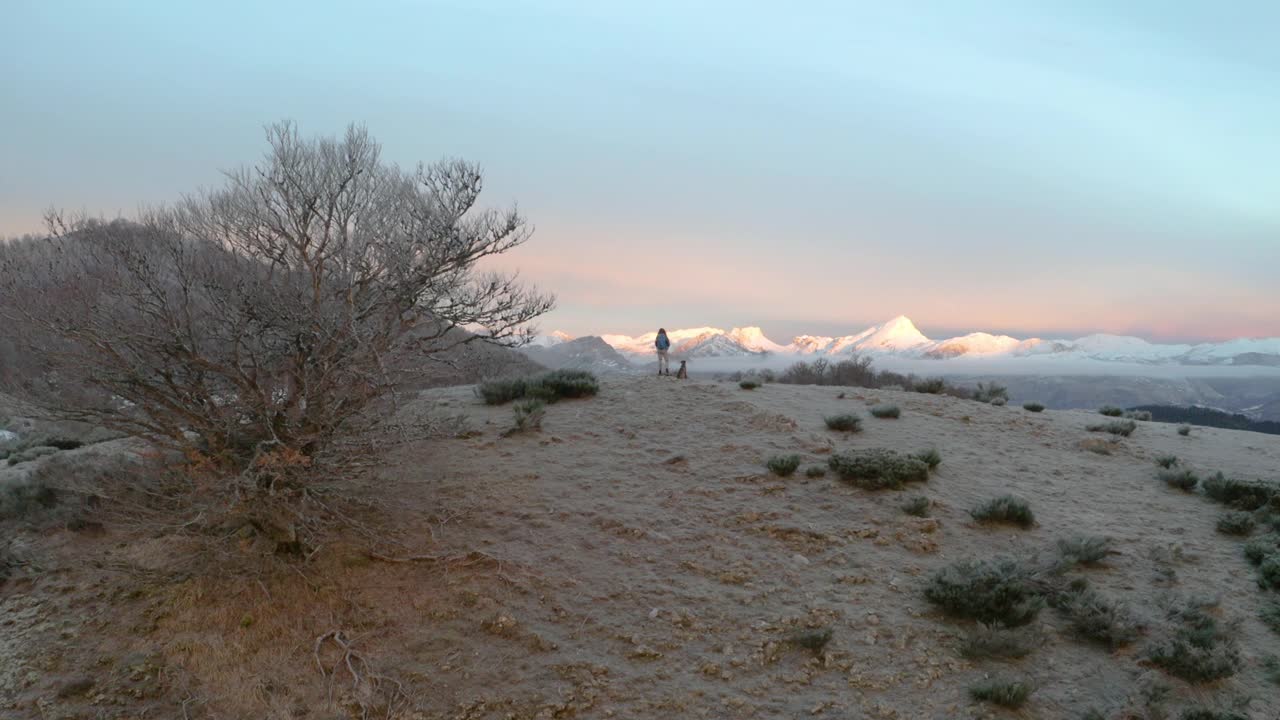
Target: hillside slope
635,560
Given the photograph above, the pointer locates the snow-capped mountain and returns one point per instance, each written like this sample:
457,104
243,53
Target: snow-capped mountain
900,337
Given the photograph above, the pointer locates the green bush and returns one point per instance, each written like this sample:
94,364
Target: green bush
1241,494
783,465
990,393
1033,407
1083,550
562,384
930,386
1000,590
1096,618
1123,428
1270,615
930,457
1183,479
18,457
1167,461
1271,667
1207,714
1269,572
548,387
1005,693
748,384
878,468
62,443
1110,411
844,423
886,411
815,471
1184,430
1006,509
917,505
23,497
991,641
1195,646
1259,549
528,414
1236,523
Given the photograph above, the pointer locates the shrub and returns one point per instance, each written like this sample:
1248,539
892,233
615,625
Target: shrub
999,402
877,468
886,411
930,457
528,415
1271,667
498,392
1083,550
989,393
929,386
815,471
548,387
1207,714
1033,407
19,498
1184,479
31,453
1270,615
917,505
1269,572
1167,461
1005,693
812,639
748,384
1258,549
1236,523
562,384
1142,415
1005,509
1116,427
1184,430
783,465
991,641
1110,411
1001,591
844,423
1196,647
1094,617
1241,494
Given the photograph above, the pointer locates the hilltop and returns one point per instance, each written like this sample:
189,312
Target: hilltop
635,559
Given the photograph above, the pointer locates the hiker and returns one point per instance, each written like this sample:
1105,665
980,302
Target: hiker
663,344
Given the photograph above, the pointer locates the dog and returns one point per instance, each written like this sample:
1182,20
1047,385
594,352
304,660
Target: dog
683,372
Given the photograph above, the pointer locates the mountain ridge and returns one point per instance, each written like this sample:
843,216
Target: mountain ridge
899,336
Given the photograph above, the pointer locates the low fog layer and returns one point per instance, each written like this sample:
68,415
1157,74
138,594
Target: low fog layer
978,367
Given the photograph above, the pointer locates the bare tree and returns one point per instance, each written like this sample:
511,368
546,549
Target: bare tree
275,312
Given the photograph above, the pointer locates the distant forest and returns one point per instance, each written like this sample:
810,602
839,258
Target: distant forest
1209,418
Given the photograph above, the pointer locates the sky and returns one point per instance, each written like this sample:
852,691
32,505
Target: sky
1047,168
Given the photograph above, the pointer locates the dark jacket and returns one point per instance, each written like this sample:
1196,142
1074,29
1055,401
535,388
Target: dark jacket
661,342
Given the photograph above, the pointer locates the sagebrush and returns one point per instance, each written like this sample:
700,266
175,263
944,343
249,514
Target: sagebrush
878,468
996,591
1006,509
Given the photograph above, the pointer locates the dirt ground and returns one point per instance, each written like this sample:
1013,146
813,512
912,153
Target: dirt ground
634,559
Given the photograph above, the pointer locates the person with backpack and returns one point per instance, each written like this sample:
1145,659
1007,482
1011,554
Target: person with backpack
663,344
